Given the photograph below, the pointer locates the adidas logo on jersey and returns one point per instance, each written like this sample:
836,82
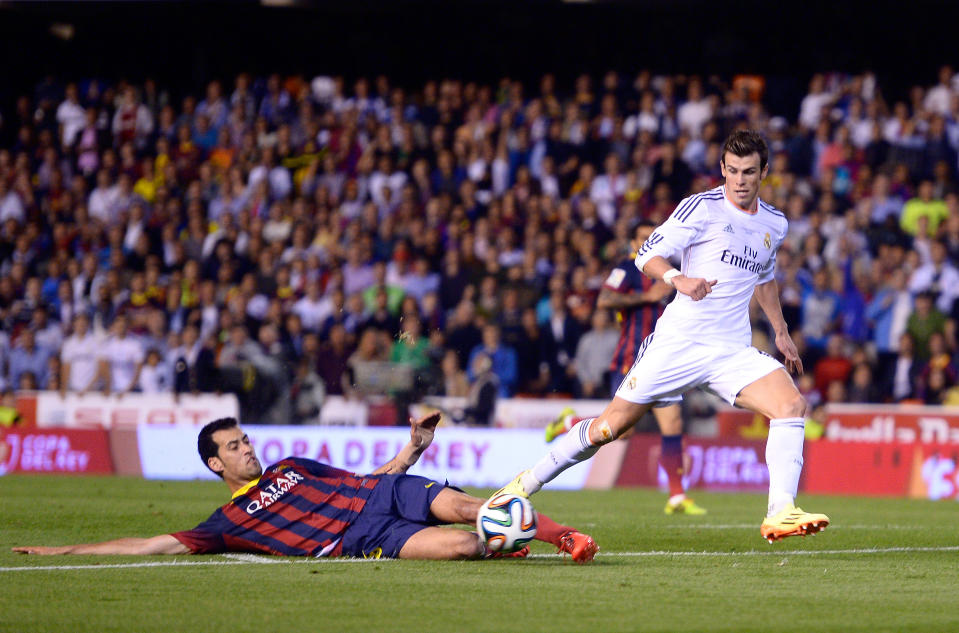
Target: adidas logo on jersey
729,229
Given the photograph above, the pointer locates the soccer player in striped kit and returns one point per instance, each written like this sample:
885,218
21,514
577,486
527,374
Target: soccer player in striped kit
299,507
638,302
727,238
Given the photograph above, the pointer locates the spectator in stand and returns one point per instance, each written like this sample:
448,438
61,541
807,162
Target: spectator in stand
938,99
923,206
503,357
455,382
888,313
79,358
696,111
907,368
132,120
332,358
561,334
411,348
71,116
121,359
939,277
48,336
883,205
155,375
463,333
821,308
11,205
834,365
483,390
593,352
394,294
313,309
939,373
369,349
862,387
27,358
814,103
925,321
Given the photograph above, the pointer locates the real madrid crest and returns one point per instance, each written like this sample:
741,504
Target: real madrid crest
766,241
632,382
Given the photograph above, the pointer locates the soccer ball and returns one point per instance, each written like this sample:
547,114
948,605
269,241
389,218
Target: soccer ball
506,523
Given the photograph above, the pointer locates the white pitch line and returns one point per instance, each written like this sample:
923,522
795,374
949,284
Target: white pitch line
256,558
249,558
125,565
751,526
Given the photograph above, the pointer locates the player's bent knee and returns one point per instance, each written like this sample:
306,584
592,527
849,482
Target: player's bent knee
601,432
794,407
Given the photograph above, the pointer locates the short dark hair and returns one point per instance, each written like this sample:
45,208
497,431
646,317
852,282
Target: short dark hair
742,143
205,444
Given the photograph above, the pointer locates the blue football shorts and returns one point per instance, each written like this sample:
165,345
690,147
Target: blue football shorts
398,508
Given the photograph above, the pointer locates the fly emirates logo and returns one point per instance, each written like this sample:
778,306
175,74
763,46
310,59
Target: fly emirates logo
270,494
746,261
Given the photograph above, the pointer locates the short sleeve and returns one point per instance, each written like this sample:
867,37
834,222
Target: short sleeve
687,223
206,538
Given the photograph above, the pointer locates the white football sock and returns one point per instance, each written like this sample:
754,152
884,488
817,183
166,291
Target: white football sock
571,449
784,460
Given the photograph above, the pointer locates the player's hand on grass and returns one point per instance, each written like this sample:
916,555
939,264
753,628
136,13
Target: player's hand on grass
785,345
422,430
694,287
43,551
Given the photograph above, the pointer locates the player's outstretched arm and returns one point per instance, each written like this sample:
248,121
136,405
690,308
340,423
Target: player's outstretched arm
161,544
421,436
767,295
695,288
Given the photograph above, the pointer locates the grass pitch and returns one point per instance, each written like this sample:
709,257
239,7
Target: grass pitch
883,565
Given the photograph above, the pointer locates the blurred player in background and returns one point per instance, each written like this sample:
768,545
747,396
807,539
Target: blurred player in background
728,239
299,507
638,301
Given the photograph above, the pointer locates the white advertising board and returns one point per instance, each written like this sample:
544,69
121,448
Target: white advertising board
463,456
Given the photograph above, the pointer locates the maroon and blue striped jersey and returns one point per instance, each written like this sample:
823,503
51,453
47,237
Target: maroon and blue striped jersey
636,323
298,507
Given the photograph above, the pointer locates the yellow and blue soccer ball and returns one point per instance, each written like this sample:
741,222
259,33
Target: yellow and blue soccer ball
507,523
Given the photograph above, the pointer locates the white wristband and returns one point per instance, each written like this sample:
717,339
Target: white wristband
669,274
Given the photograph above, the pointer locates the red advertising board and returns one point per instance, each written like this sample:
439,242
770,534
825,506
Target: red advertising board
920,471
711,464
892,424
856,468
875,424
67,451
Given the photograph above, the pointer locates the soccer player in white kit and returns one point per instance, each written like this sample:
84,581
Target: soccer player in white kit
728,239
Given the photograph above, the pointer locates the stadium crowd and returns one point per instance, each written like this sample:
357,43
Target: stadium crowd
269,237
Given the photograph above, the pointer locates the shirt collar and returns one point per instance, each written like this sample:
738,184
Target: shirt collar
245,489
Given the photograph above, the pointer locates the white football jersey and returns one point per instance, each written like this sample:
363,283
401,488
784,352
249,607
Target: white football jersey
716,240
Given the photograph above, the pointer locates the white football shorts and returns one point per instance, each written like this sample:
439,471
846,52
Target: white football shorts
668,366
